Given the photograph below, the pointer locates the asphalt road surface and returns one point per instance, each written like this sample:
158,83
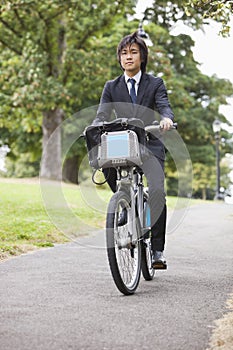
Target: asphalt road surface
64,297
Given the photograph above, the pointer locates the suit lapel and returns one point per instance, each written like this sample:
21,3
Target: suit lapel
141,89
123,91
123,103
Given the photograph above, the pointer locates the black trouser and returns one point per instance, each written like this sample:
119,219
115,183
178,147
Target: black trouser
153,168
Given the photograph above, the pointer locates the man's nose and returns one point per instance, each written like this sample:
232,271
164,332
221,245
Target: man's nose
129,55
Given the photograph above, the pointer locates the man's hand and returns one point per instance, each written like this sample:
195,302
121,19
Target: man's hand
166,123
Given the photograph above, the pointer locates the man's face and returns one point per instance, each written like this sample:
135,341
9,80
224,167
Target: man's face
131,59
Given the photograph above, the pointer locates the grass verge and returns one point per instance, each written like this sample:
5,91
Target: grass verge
24,224
24,221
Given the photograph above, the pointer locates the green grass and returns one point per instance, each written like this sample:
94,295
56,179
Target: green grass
24,224
34,215
28,223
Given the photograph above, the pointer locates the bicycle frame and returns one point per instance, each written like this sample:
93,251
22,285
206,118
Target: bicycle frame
132,178
129,244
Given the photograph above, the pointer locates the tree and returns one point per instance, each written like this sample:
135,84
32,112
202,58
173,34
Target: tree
193,13
47,50
218,10
195,98
56,52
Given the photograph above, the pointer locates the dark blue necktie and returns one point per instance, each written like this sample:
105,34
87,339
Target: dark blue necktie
132,91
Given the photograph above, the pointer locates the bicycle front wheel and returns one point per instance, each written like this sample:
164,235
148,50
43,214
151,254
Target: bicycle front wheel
147,270
123,244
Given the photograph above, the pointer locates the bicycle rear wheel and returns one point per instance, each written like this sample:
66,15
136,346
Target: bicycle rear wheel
123,244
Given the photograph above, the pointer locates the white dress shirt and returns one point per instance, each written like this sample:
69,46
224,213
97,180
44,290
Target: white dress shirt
137,78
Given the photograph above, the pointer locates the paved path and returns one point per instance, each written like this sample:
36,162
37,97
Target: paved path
64,297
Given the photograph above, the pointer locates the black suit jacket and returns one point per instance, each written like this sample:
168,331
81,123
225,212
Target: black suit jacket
152,103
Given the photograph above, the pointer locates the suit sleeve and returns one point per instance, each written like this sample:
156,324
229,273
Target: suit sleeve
105,107
162,103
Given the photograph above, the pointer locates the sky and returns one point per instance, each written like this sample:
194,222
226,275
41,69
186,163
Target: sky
213,52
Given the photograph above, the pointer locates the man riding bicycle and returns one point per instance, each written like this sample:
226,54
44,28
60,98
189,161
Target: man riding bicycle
138,94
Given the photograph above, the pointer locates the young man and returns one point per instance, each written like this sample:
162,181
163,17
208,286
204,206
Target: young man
138,94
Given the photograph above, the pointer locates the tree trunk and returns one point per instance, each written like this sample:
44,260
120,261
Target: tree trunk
51,163
204,194
70,170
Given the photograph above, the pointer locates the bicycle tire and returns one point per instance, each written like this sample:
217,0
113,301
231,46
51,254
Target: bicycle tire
123,246
146,260
147,270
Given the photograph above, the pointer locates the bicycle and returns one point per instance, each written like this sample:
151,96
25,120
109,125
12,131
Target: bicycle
122,144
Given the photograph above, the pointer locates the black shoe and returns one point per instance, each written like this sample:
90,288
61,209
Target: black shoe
159,261
123,218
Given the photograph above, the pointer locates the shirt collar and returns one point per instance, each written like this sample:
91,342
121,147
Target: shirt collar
136,77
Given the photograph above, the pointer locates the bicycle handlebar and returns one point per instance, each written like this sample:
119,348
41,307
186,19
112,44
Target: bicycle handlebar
156,127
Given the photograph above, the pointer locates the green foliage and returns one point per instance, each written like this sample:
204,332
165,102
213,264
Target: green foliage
55,46
219,10
59,54
166,13
193,13
195,98
52,55
24,167
24,223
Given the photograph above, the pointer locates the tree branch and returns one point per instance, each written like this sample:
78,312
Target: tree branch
10,28
47,43
65,78
10,48
56,14
63,9
19,18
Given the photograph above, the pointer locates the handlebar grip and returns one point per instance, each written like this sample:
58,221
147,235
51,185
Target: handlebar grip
151,128
156,127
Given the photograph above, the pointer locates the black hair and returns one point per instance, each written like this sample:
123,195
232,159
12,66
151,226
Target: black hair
134,39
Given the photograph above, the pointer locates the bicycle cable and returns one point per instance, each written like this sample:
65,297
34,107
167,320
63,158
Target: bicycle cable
95,182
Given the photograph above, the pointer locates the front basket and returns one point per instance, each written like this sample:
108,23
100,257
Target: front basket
119,148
